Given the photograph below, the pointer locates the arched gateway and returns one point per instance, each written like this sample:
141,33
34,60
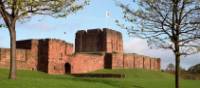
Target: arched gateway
67,68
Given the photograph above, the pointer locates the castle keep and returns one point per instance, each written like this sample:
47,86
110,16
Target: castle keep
94,49
98,41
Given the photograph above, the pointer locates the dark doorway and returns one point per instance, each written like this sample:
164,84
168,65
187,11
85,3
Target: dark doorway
43,53
67,68
108,61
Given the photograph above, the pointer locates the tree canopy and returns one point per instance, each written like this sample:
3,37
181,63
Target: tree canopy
14,10
168,24
158,21
26,8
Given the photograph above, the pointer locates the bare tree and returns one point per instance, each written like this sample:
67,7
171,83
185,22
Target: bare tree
14,10
168,24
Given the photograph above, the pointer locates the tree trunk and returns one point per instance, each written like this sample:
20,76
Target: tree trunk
177,71
177,61
12,73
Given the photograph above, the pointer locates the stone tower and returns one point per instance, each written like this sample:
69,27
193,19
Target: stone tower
97,40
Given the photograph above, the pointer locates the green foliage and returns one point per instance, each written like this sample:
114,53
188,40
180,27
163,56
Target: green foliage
170,68
135,78
2,26
16,10
194,69
56,8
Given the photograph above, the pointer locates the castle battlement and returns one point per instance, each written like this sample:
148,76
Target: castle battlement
94,49
98,40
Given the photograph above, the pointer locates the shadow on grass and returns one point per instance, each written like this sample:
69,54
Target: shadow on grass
116,83
135,86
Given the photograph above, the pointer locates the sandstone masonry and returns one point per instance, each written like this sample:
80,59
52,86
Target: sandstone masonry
94,49
98,40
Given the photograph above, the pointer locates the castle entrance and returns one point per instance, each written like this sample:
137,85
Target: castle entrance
108,61
67,68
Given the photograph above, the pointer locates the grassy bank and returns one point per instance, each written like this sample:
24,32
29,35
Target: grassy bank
135,78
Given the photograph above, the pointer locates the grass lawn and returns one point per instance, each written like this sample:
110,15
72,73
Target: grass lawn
135,78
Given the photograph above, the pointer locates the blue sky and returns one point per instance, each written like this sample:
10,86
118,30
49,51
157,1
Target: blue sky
92,16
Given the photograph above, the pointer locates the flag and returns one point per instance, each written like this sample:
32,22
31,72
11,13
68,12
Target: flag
108,14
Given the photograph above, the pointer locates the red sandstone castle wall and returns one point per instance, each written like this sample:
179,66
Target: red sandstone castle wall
96,40
120,60
129,61
80,63
59,52
79,41
117,60
89,41
83,62
93,40
38,51
52,55
24,59
87,62
113,41
139,61
59,49
152,64
31,46
48,55
26,55
155,64
147,64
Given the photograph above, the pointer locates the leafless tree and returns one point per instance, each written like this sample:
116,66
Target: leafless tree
168,24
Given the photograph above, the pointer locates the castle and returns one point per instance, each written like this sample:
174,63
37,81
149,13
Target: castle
94,49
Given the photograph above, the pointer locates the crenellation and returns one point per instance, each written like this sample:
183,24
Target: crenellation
92,40
80,40
25,44
94,49
98,40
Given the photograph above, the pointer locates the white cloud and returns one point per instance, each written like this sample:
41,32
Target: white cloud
190,60
135,45
140,46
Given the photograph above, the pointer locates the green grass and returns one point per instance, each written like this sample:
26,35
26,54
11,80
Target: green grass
134,79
